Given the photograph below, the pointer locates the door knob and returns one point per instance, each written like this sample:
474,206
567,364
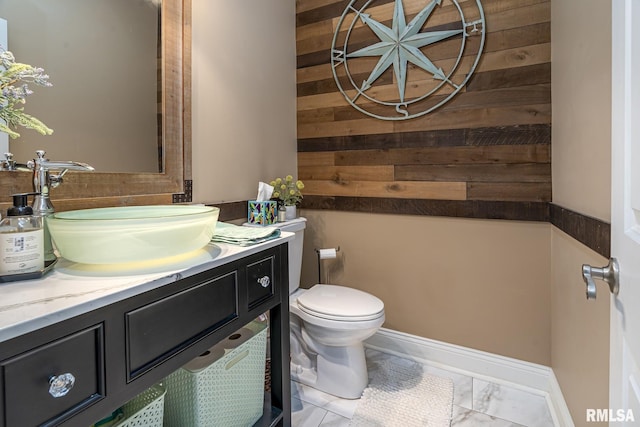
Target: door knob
610,273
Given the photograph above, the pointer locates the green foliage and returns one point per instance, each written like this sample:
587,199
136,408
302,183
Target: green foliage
14,89
287,190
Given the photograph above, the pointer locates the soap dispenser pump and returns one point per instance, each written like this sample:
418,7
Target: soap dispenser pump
21,239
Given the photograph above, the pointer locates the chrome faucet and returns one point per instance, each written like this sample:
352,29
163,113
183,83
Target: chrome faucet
43,182
8,164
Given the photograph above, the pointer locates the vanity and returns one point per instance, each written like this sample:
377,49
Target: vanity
120,332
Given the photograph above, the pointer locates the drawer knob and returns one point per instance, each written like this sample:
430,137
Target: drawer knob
264,281
60,385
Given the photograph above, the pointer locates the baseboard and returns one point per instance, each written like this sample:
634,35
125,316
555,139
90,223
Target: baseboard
479,364
558,404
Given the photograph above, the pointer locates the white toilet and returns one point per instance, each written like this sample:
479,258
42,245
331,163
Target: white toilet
328,325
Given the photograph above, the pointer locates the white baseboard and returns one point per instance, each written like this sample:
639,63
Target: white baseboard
479,364
557,402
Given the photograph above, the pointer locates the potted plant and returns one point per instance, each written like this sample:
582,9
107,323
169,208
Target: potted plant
288,194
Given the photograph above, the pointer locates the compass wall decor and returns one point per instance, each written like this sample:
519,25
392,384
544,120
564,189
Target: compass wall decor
397,64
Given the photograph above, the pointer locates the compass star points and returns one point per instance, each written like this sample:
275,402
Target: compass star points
401,44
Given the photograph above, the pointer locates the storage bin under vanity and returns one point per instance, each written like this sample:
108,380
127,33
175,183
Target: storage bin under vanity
144,410
223,387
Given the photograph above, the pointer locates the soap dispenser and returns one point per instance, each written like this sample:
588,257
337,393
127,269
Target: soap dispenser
21,239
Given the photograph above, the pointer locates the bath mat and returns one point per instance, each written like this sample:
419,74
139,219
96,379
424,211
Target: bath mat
402,394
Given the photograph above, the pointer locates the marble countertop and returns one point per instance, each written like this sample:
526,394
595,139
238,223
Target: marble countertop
72,289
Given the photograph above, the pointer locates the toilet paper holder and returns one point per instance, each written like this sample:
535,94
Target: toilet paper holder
320,258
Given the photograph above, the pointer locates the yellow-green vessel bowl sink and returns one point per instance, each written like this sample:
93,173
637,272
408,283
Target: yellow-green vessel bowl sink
131,233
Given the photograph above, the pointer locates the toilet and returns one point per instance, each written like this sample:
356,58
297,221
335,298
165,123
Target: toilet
328,326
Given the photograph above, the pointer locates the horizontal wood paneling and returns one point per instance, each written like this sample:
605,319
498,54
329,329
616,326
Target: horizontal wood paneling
486,153
388,189
511,191
441,119
496,154
232,210
348,173
591,232
506,135
527,172
520,211
511,77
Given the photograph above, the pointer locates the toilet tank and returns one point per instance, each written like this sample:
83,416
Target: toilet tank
296,226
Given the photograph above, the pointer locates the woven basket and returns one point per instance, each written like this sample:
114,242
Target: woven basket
229,392
146,409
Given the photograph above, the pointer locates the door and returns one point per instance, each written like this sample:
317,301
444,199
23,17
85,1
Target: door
624,382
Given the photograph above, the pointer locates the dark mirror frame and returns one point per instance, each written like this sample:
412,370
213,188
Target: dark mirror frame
82,190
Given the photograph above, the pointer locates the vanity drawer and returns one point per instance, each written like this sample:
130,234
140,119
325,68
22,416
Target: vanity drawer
260,281
157,331
27,377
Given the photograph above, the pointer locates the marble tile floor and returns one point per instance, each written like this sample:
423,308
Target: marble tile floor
476,402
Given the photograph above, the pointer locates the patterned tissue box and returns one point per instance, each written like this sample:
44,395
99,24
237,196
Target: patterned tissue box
262,213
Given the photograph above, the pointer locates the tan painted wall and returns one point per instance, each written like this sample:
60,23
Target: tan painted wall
581,99
581,81
477,283
580,329
244,120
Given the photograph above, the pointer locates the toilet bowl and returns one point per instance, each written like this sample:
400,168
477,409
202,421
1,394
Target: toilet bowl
328,326
327,351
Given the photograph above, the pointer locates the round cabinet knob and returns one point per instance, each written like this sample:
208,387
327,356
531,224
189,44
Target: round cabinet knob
264,281
60,385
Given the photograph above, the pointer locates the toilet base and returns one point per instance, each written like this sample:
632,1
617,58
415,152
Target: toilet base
339,371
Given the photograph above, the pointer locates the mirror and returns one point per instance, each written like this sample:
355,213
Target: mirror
173,183
102,56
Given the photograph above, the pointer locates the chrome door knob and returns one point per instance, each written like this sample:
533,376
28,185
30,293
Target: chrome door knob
610,273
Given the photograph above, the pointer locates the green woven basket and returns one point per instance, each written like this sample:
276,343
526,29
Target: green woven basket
146,409
227,392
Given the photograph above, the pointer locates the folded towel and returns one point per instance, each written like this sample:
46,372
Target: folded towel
243,236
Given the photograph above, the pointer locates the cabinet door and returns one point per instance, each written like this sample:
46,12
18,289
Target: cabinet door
260,281
27,379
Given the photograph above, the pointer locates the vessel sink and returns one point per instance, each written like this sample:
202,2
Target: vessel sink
131,233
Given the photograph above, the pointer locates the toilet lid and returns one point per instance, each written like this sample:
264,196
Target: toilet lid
340,303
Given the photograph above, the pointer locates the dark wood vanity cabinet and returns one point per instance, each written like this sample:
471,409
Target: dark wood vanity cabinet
119,350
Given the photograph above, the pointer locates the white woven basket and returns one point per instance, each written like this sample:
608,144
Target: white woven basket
146,409
229,392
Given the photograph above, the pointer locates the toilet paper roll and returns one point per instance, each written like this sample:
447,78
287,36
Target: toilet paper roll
216,352
240,336
327,253
205,359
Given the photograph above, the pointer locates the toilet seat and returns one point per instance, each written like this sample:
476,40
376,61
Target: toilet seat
339,303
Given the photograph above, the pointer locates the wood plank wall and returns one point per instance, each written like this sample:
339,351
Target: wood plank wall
486,153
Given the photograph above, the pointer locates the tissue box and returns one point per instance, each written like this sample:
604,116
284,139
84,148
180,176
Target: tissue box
262,213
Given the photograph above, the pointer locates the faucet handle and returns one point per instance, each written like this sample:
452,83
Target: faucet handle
8,163
56,180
